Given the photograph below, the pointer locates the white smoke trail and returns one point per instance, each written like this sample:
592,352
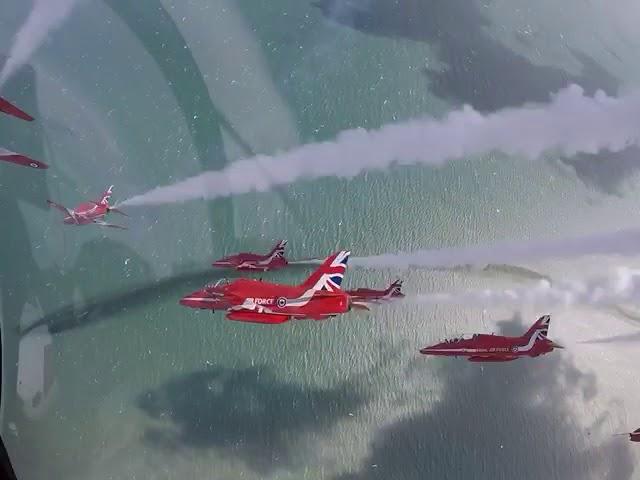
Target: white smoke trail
623,242
622,287
570,123
45,16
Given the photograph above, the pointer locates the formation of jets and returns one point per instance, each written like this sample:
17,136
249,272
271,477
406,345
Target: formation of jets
318,297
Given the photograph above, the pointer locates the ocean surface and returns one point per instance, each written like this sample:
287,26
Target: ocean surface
116,380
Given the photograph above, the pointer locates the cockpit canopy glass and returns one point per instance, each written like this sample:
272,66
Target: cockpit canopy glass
219,283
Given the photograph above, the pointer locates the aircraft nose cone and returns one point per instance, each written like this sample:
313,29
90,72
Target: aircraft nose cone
192,300
184,301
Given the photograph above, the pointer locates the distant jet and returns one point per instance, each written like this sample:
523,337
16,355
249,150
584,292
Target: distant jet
90,212
19,159
14,111
393,291
318,298
255,262
497,348
633,436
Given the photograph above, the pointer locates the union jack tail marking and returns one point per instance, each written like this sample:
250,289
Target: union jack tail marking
395,288
106,196
330,274
541,327
278,250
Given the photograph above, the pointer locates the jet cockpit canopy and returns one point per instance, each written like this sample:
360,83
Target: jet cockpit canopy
219,283
464,336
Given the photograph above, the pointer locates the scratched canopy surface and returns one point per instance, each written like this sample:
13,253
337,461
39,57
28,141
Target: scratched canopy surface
106,376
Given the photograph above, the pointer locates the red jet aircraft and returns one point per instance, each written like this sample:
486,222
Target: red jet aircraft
375,296
497,348
90,212
318,298
19,159
633,436
253,261
14,111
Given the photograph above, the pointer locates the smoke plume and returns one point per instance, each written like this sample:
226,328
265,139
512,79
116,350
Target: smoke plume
45,16
571,123
621,287
623,242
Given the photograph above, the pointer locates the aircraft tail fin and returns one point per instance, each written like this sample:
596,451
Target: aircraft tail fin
540,328
395,288
104,200
330,274
278,250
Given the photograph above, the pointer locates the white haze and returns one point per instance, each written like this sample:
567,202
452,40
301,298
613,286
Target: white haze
623,242
623,286
570,123
45,16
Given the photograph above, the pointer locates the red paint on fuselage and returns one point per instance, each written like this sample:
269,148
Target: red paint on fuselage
86,213
318,305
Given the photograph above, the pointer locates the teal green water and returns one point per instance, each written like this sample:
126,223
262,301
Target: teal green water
136,386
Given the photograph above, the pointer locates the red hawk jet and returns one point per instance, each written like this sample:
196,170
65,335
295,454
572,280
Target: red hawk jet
497,348
90,212
14,111
253,261
376,296
318,298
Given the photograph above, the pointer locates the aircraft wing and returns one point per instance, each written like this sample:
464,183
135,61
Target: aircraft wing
19,159
11,109
62,208
255,316
111,225
251,266
490,358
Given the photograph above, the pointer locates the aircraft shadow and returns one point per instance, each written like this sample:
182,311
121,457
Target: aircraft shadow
496,422
481,71
99,308
73,316
246,413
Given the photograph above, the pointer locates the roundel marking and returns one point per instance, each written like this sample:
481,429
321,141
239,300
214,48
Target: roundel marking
281,302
